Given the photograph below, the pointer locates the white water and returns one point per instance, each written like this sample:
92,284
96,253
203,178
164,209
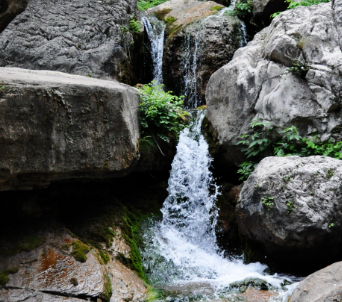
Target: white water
182,249
155,32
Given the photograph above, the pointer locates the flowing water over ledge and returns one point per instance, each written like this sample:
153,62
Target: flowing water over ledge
181,256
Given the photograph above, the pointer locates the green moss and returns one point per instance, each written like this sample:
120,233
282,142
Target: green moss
80,250
216,8
106,295
170,20
31,243
66,247
4,275
104,256
160,14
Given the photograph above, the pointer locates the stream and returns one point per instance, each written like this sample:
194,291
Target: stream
181,256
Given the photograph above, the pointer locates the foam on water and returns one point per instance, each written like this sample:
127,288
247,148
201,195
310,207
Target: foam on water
182,247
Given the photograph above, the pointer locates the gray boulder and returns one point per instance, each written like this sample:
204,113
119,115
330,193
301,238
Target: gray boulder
56,126
81,37
324,285
9,9
258,84
292,206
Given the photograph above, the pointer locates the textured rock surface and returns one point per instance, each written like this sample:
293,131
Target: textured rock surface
257,84
46,274
324,285
80,37
57,126
306,210
9,9
201,41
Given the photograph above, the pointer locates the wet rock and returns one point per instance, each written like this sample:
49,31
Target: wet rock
199,41
57,126
323,285
9,9
290,207
78,37
258,84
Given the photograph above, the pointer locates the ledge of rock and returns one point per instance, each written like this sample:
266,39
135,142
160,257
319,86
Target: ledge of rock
291,206
258,84
80,37
323,285
55,126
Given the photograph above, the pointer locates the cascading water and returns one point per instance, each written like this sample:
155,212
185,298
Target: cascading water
155,32
181,254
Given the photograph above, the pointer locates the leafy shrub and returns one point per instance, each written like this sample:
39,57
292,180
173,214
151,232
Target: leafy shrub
263,140
135,26
293,4
268,202
161,113
299,69
242,9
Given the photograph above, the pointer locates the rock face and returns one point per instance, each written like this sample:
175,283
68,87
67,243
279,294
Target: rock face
78,37
51,273
9,9
56,126
258,84
200,40
324,285
291,206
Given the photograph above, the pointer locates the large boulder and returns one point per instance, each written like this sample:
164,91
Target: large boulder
290,208
200,40
80,37
323,285
9,9
257,83
55,126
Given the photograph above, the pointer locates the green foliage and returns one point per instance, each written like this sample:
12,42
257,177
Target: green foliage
242,9
135,26
108,291
161,112
263,140
104,256
170,20
146,4
299,69
216,8
331,225
290,206
80,250
4,275
293,4
124,29
268,202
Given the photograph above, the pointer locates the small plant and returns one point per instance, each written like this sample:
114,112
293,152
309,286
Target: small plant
290,206
4,275
135,26
161,113
89,75
331,225
170,20
74,281
299,69
146,4
268,202
124,29
242,9
287,178
329,173
246,169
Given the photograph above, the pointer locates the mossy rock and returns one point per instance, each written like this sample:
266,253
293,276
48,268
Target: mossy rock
4,275
160,14
80,250
108,291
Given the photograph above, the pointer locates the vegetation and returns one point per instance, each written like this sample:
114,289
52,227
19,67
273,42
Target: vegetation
135,26
170,20
268,202
263,140
108,292
293,4
146,4
299,69
160,14
4,275
242,9
161,113
80,250
216,8
290,206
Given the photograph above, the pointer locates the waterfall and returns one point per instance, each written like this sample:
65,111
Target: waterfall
181,250
155,32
